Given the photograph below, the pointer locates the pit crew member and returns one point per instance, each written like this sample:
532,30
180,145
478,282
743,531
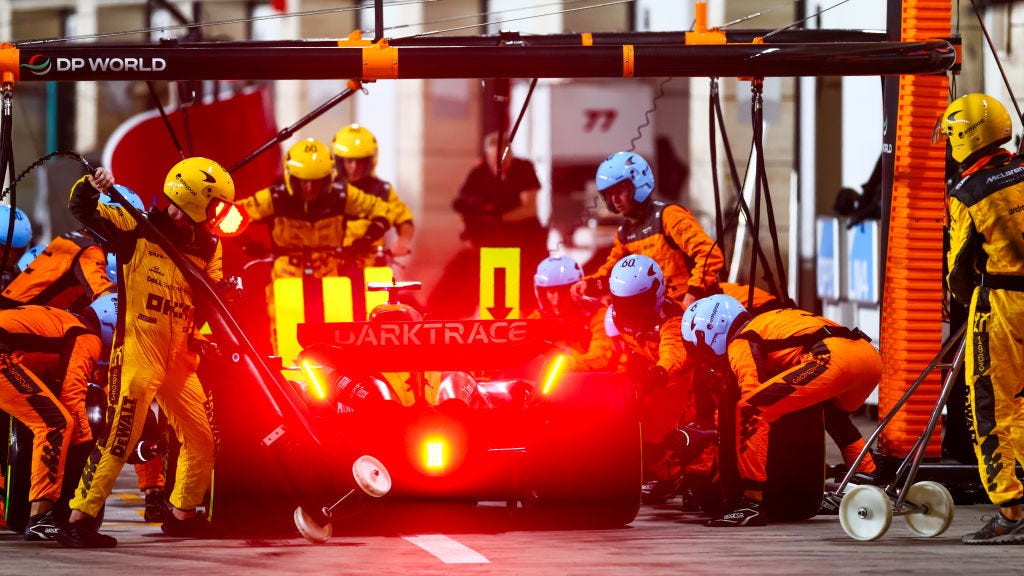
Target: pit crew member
310,213
71,272
986,272
46,358
784,360
667,233
14,239
648,326
151,357
355,158
592,349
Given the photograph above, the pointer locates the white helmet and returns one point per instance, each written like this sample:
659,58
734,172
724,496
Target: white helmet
555,271
609,322
709,324
637,286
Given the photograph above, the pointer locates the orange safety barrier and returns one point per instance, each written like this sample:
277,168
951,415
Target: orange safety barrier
911,331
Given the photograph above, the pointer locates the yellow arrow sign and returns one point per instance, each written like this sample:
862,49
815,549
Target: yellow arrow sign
499,283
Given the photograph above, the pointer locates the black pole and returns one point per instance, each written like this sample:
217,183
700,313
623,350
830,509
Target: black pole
378,20
285,133
213,61
167,121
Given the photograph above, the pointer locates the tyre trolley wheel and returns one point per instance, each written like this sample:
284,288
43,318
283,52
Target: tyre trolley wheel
371,478
934,509
865,513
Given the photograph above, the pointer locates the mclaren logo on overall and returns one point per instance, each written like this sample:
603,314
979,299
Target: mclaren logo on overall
111,64
433,333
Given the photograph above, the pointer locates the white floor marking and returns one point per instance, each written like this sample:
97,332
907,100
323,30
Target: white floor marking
447,550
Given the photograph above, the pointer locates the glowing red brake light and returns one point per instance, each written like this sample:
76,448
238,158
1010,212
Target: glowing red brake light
435,453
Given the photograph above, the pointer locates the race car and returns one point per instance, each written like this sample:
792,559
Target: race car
494,418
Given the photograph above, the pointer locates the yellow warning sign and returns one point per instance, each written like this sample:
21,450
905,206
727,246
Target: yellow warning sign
499,283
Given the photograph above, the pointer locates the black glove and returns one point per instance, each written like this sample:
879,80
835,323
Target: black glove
230,289
656,377
686,442
362,245
375,231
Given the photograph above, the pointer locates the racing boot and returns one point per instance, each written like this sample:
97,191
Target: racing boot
748,512
157,508
830,504
41,527
83,534
658,491
998,530
195,526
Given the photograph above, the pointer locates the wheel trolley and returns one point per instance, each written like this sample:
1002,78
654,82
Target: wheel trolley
866,511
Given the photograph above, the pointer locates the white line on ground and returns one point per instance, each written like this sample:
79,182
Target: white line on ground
447,550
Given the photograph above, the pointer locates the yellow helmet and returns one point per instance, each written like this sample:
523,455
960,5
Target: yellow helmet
307,159
197,186
974,122
354,141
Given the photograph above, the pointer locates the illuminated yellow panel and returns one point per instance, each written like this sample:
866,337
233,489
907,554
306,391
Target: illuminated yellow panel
499,283
376,274
337,299
288,313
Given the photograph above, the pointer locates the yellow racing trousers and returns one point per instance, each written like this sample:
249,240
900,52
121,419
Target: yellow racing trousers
994,354
137,377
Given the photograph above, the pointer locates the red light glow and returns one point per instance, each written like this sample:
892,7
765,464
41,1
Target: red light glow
316,387
434,454
553,372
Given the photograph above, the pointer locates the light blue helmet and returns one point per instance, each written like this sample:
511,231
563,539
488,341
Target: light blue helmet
105,310
128,194
21,232
112,267
29,256
709,324
625,166
637,286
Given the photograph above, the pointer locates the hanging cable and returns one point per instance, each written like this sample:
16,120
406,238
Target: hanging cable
647,114
741,204
757,88
999,64
6,165
713,148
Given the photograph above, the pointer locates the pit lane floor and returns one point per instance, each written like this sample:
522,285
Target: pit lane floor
662,540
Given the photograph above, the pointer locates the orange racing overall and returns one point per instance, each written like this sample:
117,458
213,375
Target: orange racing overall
785,360
69,273
40,348
669,235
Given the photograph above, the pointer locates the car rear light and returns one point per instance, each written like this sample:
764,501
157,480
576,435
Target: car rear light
553,373
435,454
316,385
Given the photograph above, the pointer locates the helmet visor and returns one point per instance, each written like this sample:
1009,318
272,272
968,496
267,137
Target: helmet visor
226,219
310,189
636,311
